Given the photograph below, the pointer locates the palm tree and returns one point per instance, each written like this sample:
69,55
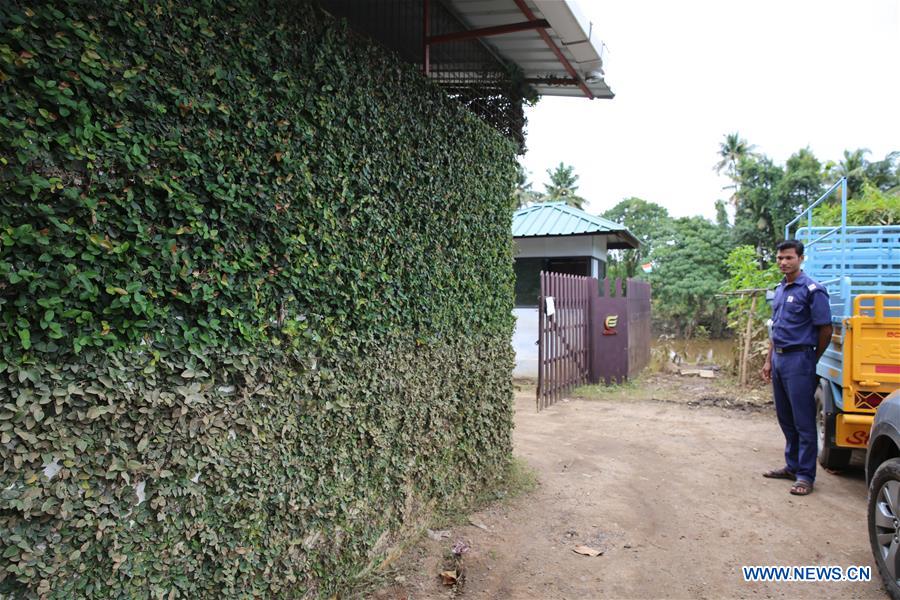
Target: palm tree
854,162
885,174
853,167
731,151
562,186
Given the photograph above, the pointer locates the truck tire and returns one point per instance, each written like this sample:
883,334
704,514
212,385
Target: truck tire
830,456
884,523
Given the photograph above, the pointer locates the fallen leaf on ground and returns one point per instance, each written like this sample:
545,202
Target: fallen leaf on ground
587,551
449,577
477,523
437,535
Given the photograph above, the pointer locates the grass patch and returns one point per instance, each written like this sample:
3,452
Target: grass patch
607,392
522,385
518,479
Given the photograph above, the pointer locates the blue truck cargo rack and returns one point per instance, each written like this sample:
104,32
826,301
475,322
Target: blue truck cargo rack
848,261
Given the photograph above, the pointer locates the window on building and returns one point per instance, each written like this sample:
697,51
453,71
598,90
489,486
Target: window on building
528,274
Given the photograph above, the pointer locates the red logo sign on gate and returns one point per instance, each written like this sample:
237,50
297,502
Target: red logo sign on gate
609,325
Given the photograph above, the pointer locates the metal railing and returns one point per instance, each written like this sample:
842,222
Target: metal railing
842,183
861,259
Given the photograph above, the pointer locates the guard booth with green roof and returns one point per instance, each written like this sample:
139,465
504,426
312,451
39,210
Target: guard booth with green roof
558,238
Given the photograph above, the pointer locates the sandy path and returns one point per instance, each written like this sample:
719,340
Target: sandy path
671,494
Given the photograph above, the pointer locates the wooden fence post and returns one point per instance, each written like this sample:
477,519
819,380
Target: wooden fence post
745,352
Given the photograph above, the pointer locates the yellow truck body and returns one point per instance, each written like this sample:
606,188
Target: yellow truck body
871,349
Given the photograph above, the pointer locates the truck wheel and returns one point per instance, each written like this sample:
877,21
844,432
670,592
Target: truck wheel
830,456
884,523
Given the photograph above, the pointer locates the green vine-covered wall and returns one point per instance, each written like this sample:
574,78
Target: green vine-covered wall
255,300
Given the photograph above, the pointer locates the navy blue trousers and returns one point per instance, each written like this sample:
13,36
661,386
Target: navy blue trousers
794,386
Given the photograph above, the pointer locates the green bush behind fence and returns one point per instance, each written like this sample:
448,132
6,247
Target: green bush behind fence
256,292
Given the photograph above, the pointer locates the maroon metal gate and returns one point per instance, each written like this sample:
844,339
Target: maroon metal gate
590,331
563,335
620,346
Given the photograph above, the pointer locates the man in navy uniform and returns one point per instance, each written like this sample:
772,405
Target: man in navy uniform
801,331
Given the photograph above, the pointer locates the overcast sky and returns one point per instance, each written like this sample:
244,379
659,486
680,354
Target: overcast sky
785,74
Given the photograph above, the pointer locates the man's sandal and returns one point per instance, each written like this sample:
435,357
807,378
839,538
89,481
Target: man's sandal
801,487
781,473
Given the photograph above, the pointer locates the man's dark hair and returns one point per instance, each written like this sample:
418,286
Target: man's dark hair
797,246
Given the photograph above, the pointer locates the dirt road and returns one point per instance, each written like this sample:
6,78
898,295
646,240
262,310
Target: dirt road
670,493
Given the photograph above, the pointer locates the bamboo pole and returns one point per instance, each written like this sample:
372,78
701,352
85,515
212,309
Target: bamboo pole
745,353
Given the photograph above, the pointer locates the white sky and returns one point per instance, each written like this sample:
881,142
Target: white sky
785,74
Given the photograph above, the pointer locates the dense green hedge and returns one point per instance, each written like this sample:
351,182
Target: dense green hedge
256,292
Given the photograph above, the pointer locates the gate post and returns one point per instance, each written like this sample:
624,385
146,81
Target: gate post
593,350
609,336
541,341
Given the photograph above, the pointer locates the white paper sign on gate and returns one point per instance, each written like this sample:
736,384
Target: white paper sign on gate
551,306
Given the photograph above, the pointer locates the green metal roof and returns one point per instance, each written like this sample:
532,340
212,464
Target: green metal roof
558,218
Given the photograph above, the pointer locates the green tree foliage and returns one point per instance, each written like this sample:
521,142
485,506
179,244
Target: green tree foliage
800,187
524,195
883,174
722,215
744,273
871,207
688,273
758,203
853,167
769,196
649,223
562,186
731,151
255,300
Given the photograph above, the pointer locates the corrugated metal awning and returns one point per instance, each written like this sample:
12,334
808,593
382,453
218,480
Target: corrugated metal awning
493,56
547,219
543,54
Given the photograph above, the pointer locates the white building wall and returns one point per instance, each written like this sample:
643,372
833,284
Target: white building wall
526,332
563,245
599,245
524,341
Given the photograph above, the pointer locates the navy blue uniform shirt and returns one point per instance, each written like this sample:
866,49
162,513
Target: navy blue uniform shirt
799,309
